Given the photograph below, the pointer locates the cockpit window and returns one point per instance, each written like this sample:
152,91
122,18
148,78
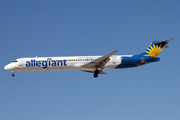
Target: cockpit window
15,61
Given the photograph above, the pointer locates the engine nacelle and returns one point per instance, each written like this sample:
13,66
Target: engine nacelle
132,60
138,59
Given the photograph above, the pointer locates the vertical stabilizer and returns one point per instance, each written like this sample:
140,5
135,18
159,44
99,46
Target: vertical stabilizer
155,48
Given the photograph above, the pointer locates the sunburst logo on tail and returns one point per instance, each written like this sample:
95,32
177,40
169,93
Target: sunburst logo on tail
153,50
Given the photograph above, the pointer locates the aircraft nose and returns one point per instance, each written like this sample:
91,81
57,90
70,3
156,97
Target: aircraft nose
8,67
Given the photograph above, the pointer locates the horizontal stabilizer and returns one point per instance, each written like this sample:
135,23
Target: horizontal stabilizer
163,41
155,48
165,46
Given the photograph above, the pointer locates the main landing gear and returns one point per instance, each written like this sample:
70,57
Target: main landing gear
13,73
96,72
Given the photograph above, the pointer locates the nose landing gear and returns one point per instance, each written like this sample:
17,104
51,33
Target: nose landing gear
13,73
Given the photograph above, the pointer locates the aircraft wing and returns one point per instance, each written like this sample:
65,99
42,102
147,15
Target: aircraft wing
100,72
100,62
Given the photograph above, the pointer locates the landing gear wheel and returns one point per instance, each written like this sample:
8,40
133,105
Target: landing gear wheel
13,74
96,72
95,75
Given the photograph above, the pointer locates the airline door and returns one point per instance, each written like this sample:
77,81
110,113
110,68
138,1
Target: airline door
114,60
20,62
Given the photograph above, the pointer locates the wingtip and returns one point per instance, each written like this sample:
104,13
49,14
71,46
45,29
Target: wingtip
116,51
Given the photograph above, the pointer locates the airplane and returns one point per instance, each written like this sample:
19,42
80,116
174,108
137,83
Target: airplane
92,64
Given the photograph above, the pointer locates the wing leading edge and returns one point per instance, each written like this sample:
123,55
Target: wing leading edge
100,62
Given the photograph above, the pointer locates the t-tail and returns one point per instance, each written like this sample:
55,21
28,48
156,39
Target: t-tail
155,48
150,54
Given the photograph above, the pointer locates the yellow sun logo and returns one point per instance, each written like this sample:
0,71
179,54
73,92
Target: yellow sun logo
153,50
49,59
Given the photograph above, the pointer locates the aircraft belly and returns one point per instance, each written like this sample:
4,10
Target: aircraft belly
46,69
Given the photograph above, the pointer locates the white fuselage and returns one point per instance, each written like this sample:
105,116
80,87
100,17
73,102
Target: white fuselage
60,63
92,64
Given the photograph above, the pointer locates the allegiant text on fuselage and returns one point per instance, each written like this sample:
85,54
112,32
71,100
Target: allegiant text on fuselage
45,64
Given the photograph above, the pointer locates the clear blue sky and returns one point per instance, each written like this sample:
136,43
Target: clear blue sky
89,27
